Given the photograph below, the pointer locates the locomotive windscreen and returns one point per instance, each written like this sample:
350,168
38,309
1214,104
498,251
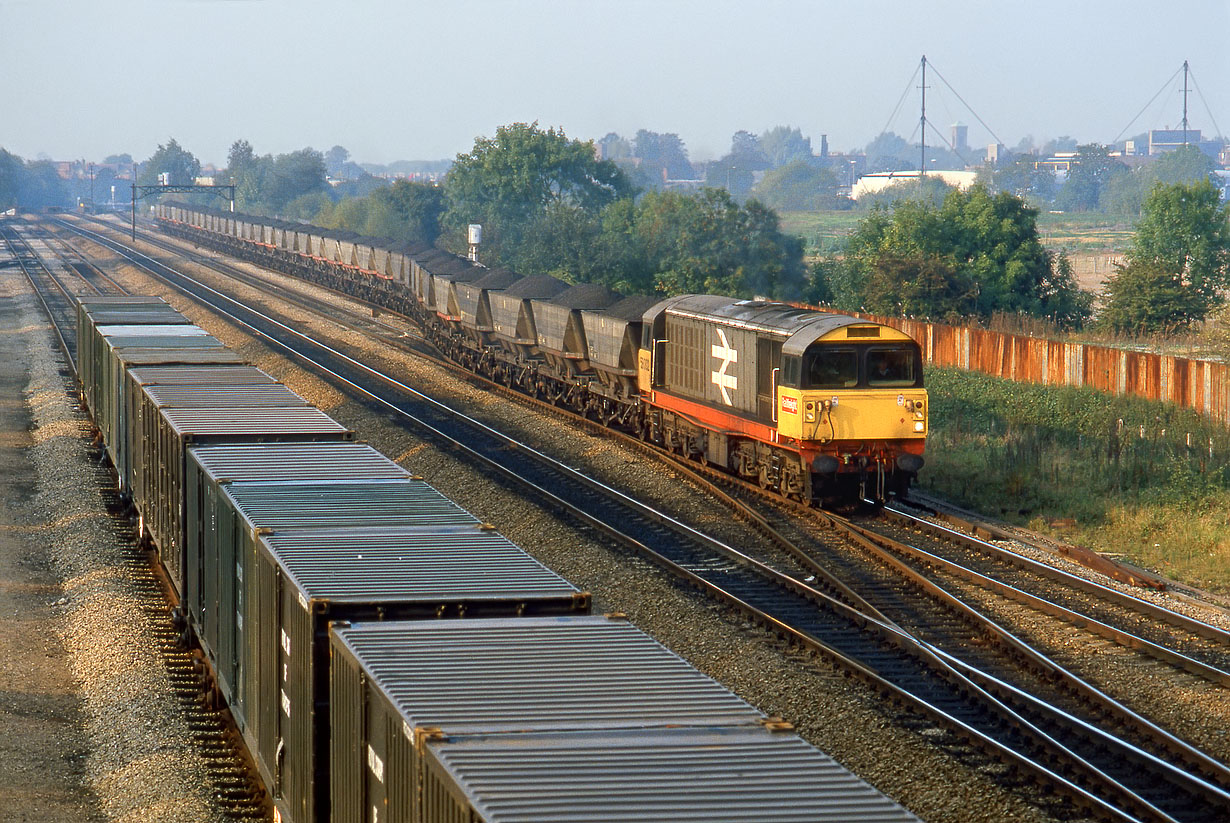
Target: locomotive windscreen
845,367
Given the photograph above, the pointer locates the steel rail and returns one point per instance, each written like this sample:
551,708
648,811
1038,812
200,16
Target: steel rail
1103,592
26,261
782,580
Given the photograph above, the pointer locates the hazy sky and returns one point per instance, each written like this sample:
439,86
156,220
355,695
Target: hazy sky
420,80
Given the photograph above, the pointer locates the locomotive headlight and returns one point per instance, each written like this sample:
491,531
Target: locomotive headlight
809,411
919,426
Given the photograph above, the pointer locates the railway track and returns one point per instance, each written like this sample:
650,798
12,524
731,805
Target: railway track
232,781
950,690
54,296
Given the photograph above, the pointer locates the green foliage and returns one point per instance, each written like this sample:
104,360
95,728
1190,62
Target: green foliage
269,185
33,185
977,253
662,155
784,145
171,159
1089,177
408,211
798,186
1127,193
1178,265
735,171
929,190
920,286
315,207
12,174
1063,452
1186,231
1021,178
1145,298
506,183
708,243
293,175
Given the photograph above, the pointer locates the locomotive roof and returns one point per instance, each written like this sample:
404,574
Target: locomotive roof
800,327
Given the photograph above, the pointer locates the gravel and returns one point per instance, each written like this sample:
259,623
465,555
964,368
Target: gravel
139,764
906,761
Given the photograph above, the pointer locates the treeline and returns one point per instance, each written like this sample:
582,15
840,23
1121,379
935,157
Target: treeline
549,205
1096,181
976,254
30,184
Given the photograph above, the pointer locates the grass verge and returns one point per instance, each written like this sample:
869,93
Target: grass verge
1130,477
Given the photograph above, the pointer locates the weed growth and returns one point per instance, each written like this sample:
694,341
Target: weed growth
1147,480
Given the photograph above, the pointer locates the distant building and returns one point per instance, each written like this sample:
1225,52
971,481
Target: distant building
880,180
960,136
1058,163
1164,140
996,153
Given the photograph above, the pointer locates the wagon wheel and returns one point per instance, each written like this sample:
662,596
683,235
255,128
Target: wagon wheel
763,478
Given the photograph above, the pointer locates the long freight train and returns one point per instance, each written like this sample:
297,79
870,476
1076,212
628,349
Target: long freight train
813,404
388,658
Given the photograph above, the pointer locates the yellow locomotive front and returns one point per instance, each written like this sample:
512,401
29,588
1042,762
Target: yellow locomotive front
817,405
853,400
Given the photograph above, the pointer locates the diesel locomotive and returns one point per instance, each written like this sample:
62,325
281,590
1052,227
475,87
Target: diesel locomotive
816,405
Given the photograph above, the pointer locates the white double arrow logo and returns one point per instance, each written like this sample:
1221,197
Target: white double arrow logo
726,382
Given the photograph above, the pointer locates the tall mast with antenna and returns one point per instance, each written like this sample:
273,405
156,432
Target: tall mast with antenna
922,123
1184,102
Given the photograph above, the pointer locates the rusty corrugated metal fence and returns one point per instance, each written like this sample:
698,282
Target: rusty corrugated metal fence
1196,384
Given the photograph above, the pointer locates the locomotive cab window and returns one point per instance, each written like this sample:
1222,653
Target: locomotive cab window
891,368
829,367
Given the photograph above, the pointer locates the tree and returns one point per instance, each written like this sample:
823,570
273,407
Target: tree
335,158
12,172
407,211
735,172
124,159
293,175
507,182
174,160
912,286
240,157
707,243
1089,175
1145,298
663,152
615,147
890,152
989,241
930,190
1022,178
798,186
783,145
1126,193
1184,232
33,185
